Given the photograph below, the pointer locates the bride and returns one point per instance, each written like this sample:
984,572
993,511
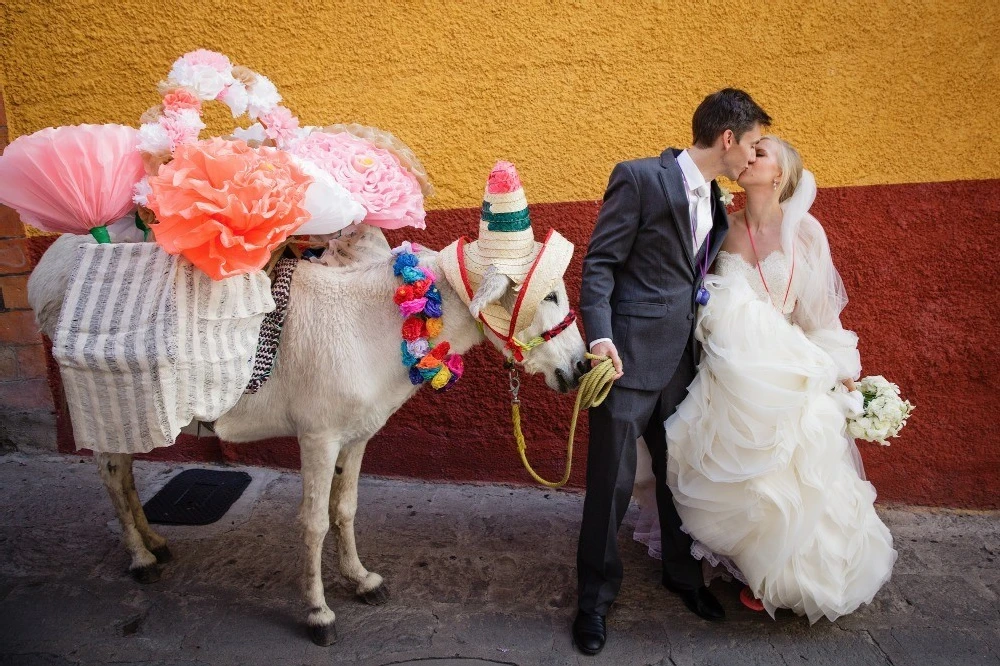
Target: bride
763,474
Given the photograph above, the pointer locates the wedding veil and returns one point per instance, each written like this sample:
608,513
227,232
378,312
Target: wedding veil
816,283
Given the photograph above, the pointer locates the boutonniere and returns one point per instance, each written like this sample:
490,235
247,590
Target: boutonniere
726,197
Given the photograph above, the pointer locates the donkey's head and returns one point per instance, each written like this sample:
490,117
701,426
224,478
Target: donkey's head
514,284
550,342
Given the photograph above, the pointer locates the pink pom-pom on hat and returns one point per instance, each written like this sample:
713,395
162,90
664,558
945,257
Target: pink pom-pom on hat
503,179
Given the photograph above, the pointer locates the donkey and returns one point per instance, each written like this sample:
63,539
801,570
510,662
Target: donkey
336,381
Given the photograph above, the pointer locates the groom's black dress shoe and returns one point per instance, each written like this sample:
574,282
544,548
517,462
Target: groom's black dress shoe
700,601
589,632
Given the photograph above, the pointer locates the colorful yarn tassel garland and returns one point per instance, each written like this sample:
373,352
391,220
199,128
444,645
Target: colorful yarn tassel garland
419,302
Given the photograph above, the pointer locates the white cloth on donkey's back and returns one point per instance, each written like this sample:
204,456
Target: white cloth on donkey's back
146,343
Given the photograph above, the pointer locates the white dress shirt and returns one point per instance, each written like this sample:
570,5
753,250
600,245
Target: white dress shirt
699,193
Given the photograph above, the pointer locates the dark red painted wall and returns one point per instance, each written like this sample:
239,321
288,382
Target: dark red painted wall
921,268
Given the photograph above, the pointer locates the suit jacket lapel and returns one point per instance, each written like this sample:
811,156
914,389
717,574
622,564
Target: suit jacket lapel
720,224
672,182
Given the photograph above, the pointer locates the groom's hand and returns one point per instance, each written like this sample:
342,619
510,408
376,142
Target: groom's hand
607,348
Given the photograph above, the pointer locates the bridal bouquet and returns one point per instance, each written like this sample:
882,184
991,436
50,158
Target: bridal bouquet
884,413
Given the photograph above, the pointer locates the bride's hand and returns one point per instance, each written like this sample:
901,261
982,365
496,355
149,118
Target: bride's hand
849,383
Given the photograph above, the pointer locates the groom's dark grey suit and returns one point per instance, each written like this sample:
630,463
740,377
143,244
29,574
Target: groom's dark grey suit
640,278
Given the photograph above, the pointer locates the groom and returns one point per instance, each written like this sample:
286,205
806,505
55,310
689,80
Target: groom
659,229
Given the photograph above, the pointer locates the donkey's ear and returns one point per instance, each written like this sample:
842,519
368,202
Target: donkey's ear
495,284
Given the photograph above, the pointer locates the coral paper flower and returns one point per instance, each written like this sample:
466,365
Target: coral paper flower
226,206
373,176
179,99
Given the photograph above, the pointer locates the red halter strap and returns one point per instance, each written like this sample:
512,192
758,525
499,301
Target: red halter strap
561,326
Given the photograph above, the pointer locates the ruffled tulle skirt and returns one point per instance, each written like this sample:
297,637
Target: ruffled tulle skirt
762,472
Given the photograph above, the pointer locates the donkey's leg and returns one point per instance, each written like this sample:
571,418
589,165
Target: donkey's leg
155,543
112,468
319,459
343,505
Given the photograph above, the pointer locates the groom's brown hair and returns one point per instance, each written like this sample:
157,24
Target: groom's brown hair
730,109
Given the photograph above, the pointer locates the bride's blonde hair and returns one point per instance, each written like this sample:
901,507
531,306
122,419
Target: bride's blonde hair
790,163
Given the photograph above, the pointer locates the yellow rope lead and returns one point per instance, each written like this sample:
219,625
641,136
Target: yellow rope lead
594,388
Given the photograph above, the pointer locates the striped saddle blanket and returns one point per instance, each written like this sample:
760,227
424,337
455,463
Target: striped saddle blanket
146,343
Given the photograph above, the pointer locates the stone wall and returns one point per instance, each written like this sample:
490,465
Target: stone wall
26,403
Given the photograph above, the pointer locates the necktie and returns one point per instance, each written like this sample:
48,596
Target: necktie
703,192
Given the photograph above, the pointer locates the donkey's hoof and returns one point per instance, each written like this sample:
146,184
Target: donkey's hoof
147,574
377,596
323,635
162,554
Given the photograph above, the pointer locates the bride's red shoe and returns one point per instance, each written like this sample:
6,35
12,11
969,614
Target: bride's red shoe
750,601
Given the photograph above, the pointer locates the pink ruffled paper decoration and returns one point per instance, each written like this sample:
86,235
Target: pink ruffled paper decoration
226,206
390,194
71,179
503,179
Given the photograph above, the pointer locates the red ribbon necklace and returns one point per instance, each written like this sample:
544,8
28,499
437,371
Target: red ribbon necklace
761,272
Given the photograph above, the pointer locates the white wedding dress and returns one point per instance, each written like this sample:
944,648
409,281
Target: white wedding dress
763,474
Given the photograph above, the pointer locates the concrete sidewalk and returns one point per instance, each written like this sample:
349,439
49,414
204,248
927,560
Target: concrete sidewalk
479,574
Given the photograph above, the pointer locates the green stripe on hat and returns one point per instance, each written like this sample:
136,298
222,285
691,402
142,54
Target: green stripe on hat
518,220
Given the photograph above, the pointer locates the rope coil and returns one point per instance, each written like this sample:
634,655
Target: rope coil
594,388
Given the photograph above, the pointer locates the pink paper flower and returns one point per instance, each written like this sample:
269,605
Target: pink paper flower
456,365
72,178
428,273
182,127
373,176
412,307
280,125
226,206
503,179
204,57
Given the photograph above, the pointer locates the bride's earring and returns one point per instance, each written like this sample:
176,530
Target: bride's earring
775,184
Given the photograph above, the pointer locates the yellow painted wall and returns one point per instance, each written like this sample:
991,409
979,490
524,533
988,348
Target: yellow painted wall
870,92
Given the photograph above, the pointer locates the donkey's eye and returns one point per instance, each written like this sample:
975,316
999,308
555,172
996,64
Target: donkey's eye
553,297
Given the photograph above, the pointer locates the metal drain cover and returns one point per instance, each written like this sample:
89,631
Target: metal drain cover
196,497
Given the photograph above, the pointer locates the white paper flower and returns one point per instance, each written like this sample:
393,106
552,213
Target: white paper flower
330,204
262,97
205,81
253,133
188,118
153,138
141,191
235,97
